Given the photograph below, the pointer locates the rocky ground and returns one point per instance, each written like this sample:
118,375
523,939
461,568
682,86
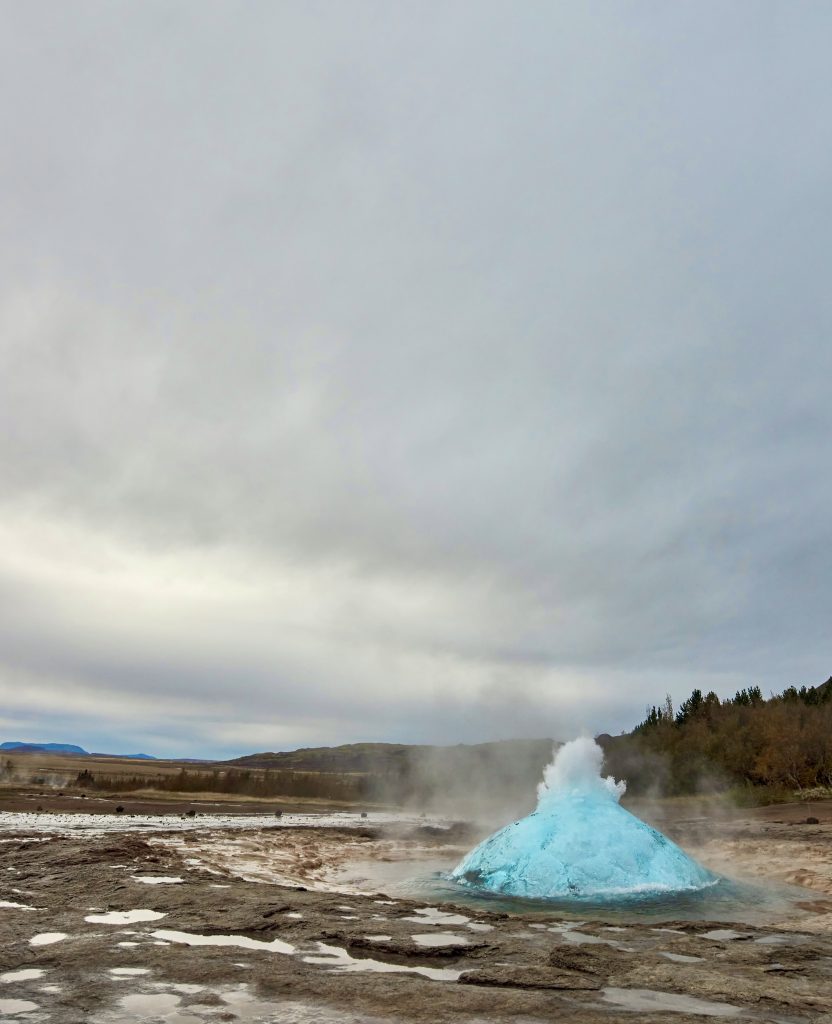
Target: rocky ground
117,927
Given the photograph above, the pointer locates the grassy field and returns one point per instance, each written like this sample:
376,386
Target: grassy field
72,783
62,769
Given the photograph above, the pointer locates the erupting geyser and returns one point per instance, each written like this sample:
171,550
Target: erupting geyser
579,842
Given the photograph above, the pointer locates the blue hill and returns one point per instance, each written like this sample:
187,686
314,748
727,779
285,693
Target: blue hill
52,748
126,757
65,748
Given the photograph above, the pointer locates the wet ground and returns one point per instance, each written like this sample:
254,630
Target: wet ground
197,921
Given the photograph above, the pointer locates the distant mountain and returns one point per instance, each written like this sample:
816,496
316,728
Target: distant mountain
126,757
503,774
386,757
51,748
350,757
17,747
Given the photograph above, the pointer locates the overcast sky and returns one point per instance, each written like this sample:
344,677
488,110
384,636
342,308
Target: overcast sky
416,371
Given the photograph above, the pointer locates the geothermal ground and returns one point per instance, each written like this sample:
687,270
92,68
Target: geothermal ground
108,918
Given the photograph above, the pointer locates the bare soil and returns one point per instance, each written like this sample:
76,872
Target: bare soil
74,801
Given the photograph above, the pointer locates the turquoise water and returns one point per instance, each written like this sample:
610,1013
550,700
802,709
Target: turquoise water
579,843
581,855
724,900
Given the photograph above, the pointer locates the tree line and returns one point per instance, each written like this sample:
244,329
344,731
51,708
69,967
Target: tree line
761,748
451,779
240,782
783,743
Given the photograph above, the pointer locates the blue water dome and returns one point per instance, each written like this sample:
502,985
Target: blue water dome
579,843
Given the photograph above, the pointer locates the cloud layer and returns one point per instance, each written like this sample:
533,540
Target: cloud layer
425,372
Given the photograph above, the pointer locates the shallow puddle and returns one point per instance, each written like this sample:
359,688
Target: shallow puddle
161,1007
47,938
724,935
29,974
433,915
339,959
581,938
645,1000
158,879
237,1003
15,1006
440,939
124,917
239,941
781,939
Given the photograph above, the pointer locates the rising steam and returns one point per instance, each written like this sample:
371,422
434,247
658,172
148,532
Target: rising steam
577,768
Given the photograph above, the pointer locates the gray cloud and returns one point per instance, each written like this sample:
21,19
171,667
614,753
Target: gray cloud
429,371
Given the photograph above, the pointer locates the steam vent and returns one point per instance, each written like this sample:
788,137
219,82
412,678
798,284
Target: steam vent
579,842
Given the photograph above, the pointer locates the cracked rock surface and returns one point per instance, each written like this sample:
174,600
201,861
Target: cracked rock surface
221,948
